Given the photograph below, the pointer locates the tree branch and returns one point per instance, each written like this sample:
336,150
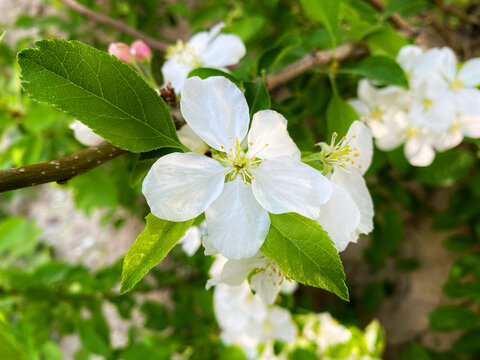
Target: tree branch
397,21
117,25
312,60
60,170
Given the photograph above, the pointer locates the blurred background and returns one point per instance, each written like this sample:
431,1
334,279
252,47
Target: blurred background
61,246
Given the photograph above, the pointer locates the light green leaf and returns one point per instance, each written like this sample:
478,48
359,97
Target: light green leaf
340,116
386,42
325,12
2,35
151,246
100,91
303,250
380,68
9,346
257,96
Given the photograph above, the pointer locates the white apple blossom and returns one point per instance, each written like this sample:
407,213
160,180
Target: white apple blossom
192,239
441,106
247,322
205,49
349,159
267,279
191,140
238,186
325,331
84,134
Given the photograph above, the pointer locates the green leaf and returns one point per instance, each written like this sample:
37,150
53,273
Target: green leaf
204,73
448,318
325,12
304,251
100,91
380,68
469,343
257,96
404,7
340,116
9,346
2,35
447,168
386,42
151,246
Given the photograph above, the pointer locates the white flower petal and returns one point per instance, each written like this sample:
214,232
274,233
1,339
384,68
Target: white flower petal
419,151
224,50
191,140
360,107
408,57
235,272
448,140
470,125
199,41
339,217
191,241
175,73
469,74
268,137
84,134
283,185
355,185
447,63
360,139
237,224
180,187
216,110
468,100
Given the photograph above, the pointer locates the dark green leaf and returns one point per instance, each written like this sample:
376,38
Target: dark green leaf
469,343
304,251
151,246
325,12
100,91
379,68
340,116
257,96
447,168
405,7
204,73
448,318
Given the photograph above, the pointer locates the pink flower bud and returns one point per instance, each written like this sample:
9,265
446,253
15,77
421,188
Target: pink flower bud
121,51
141,51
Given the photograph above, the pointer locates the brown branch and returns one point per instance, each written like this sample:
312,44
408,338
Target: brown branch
60,170
458,13
312,60
117,25
397,21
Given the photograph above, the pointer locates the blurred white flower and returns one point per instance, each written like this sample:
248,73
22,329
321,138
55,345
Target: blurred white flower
349,159
441,106
191,140
192,239
236,188
325,331
246,321
84,134
267,281
205,49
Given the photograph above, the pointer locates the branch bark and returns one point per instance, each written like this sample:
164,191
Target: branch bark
397,21
117,25
60,170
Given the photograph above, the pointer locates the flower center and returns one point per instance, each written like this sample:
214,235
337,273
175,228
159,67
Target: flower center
411,132
273,273
238,163
186,54
339,155
427,104
456,84
377,114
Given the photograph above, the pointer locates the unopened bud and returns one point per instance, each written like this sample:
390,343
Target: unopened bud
141,51
121,51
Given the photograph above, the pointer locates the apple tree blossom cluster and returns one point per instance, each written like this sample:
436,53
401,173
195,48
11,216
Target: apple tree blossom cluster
242,170
440,107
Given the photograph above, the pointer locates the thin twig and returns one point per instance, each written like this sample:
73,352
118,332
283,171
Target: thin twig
458,13
117,25
312,60
60,170
397,21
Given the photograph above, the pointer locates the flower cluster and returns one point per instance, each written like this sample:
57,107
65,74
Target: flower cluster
252,323
440,108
